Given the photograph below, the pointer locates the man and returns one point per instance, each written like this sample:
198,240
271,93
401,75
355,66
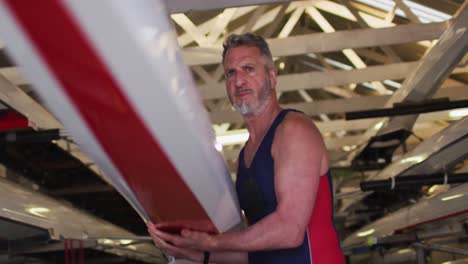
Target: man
282,179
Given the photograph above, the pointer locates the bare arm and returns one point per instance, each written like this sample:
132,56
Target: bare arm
298,152
229,258
300,159
196,255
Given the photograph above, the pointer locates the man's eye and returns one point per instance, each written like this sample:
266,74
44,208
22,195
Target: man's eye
229,73
249,69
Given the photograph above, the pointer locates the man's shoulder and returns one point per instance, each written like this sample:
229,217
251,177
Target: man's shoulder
298,135
297,122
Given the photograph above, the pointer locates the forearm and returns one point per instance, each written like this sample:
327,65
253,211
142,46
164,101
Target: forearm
229,258
272,232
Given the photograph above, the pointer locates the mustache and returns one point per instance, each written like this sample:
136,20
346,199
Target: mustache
242,90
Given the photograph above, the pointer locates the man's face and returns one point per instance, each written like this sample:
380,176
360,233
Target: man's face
249,82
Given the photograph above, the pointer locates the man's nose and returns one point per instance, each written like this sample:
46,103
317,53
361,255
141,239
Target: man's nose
240,80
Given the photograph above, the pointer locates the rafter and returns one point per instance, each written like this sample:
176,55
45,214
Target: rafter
23,103
341,11
292,82
345,93
270,29
317,80
342,105
204,75
221,23
372,21
266,19
185,39
438,63
291,23
403,7
349,53
326,128
387,50
329,42
391,15
190,28
424,81
183,6
254,18
13,74
263,20
40,118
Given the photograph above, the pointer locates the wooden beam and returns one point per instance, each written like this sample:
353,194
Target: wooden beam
291,82
317,80
408,12
222,21
329,42
14,75
14,97
205,27
186,24
387,50
332,144
342,105
183,6
40,118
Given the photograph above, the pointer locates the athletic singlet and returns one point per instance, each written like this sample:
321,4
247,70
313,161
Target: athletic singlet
256,191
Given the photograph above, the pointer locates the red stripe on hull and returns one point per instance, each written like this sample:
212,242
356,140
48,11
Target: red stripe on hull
121,133
11,120
440,218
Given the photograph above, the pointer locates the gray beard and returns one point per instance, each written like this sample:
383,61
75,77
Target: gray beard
244,109
248,110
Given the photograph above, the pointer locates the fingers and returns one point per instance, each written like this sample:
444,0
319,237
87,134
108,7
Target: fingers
151,227
168,243
194,234
188,239
200,240
173,239
165,240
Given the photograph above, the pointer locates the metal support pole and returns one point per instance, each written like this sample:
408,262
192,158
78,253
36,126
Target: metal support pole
411,181
420,253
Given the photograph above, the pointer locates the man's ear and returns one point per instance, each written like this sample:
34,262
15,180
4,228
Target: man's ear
272,73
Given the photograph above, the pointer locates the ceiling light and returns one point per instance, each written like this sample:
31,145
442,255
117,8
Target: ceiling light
404,251
38,211
106,241
281,66
349,148
414,159
448,198
392,84
233,137
459,113
366,233
432,189
379,125
339,65
125,241
425,14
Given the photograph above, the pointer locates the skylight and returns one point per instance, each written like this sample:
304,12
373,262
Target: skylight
425,14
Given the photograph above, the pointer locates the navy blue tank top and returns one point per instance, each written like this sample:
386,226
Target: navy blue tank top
256,191
260,174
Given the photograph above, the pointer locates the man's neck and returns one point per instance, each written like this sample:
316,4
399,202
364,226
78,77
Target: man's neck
258,124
